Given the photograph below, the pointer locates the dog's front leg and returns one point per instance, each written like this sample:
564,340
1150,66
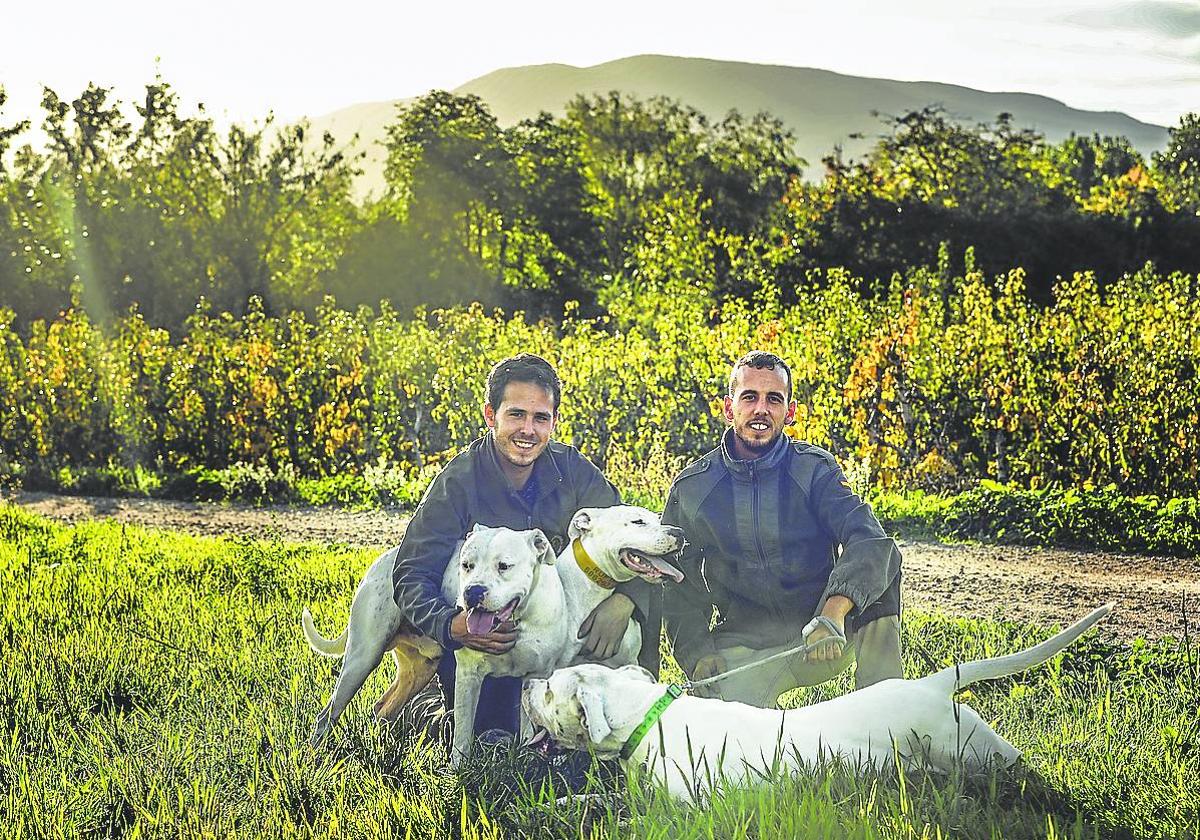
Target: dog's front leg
526,725
468,682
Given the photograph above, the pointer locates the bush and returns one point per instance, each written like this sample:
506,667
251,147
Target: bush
944,382
1091,519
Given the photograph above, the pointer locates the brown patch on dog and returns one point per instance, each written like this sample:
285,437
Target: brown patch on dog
417,659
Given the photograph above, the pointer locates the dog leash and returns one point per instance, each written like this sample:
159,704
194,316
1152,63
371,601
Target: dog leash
820,620
675,691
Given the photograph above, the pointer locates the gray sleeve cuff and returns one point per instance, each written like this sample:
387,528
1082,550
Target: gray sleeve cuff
443,631
639,592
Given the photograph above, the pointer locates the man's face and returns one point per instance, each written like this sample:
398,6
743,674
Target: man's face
522,423
758,409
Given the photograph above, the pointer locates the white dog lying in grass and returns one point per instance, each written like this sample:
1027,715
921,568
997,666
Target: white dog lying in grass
694,745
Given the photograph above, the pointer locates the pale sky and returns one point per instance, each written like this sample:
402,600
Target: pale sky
244,58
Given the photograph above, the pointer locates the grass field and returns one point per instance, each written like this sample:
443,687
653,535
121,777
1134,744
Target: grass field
157,685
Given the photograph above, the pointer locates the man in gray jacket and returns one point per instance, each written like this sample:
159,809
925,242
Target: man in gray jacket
783,549
516,477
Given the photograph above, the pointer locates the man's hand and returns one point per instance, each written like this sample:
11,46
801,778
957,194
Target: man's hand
500,640
709,666
605,626
836,609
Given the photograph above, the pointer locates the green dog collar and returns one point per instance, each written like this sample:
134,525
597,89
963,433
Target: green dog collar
652,715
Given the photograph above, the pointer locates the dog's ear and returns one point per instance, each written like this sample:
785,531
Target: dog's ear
479,526
637,671
591,714
581,523
542,547
459,547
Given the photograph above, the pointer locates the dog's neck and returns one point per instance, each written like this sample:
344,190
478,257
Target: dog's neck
579,586
638,697
542,610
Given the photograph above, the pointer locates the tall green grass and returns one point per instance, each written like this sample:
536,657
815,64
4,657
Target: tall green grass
154,684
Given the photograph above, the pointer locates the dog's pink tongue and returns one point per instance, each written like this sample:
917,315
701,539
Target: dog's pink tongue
480,621
666,568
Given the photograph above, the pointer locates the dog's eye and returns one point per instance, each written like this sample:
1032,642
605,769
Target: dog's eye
504,567
639,522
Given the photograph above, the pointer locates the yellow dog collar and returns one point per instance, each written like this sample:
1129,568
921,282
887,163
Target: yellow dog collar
595,574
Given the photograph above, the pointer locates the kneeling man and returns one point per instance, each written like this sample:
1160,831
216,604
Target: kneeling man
785,551
514,476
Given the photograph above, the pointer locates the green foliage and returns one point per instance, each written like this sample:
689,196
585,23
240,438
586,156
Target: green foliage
163,211
1095,519
166,212
1179,165
945,381
652,247
159,685
1087,204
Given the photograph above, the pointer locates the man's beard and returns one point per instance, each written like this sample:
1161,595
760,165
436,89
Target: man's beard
758,449
520,457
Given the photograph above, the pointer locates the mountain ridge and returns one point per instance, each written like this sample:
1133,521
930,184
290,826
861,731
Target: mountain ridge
823,108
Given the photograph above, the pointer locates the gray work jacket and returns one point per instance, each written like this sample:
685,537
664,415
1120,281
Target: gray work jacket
769,540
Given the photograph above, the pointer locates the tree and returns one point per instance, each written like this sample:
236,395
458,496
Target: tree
7,134
166,212
560,203
636,153
14,282
452,183
1177,169
1001,190
1178,166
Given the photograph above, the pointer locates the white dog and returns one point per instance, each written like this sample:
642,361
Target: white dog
496,575
698,744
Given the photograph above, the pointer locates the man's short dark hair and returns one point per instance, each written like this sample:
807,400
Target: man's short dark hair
760,359
524,367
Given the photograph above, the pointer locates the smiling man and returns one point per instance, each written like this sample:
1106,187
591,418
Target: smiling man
783,549
513,476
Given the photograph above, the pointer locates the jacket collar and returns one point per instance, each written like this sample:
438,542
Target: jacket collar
545,468
770,459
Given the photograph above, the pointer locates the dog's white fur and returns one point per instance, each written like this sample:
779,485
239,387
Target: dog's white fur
700,744
554,597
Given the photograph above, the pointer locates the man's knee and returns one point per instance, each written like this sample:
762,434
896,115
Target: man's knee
761,686
877,646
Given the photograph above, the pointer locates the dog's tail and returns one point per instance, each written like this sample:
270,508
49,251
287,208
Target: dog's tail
325,647
960,676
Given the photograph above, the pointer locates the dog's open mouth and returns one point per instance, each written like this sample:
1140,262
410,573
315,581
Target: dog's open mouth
649,566
481,621
541,742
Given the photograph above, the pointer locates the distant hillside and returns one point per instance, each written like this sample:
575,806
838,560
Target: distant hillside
821,107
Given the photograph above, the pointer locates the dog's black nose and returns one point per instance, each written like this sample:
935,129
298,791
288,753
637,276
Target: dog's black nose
676,533
473,595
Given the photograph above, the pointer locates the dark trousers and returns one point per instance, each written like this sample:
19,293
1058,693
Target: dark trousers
499,699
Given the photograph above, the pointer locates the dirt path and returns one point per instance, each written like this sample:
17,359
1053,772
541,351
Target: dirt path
1024,584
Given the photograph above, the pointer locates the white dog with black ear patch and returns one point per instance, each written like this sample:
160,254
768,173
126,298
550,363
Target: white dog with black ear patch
495,575
693,744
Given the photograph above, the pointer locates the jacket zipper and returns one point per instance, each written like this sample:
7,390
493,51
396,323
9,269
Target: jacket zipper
762,554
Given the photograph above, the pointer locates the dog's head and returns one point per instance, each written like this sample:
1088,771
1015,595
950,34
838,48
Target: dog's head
589,706
627,541
497,570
